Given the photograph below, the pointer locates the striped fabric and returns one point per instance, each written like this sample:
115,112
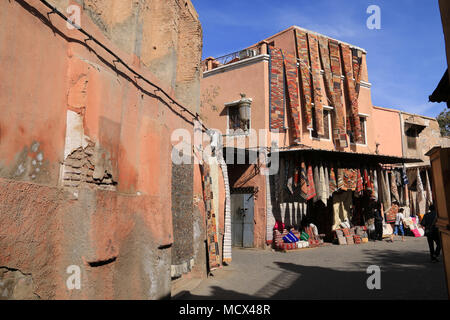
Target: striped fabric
304,188
332,183
277,89
357,64
211,228
351,87
303,55
311,188
359,182
290,63
339,133
290,238
315,69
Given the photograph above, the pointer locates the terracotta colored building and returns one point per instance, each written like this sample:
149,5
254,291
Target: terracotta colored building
85,135
297,96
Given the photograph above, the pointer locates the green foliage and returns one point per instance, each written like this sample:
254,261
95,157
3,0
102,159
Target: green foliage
444,122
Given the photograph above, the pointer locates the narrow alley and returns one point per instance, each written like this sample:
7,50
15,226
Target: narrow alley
333,272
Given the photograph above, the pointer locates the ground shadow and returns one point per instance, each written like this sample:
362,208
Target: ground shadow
404,275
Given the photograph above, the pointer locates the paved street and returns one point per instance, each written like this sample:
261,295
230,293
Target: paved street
333,272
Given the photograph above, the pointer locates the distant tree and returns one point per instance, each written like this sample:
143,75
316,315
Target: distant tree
444,122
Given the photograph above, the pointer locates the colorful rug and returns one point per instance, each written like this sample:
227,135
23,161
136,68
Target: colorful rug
317,88
303,55
290,63
211,227
339,132
277,90
353,97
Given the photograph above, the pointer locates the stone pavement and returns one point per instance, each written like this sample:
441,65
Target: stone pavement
332,272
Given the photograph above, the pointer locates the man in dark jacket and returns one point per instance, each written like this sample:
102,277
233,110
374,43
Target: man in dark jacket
432,233
378,216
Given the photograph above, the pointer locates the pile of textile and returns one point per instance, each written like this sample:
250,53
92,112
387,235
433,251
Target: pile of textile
412,224
355,235
293,239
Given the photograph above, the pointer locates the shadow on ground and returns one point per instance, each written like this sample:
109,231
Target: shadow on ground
404,275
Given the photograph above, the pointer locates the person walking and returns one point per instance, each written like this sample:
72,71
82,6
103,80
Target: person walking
432,233
399,217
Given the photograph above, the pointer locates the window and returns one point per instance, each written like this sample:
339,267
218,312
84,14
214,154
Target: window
326,125
363,123
411,137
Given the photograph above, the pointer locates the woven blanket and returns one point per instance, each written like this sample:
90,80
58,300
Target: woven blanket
339,133
311,188
290,63
353,97
315,70
303,55
277,89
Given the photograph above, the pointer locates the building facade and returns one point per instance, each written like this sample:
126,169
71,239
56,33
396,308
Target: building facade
310,106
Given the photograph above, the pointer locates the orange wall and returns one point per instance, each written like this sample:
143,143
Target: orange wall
388,131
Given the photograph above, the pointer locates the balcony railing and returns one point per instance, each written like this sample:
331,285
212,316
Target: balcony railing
210,63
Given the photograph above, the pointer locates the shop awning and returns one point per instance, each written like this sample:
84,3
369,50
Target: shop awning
442,91
351,156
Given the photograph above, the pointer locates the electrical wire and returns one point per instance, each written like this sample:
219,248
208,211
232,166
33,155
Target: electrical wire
54,10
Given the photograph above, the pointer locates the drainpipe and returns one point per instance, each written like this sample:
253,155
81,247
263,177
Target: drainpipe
402,133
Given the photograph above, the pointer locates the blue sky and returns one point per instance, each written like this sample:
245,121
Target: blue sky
406,57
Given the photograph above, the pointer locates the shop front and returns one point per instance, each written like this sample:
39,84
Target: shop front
321,197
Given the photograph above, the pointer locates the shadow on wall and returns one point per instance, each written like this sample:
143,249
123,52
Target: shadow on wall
404,275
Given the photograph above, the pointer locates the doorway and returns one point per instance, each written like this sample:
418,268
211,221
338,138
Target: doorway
242,219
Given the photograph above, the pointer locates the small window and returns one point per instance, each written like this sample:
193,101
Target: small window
362,121
326,126
411,137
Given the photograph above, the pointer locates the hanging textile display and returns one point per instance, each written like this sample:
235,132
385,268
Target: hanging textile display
327,182
304,188
315,70
420,190
357,66
332,184
339,132
359,182
317,185
290,63
303,55
428,193
385,196
323,194
311,187
375,186
283,209
277,89
394,190
270,218
290,177
354,112
349,179
211,227
328,76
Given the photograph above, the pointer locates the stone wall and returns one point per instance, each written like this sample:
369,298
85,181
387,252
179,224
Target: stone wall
85,165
